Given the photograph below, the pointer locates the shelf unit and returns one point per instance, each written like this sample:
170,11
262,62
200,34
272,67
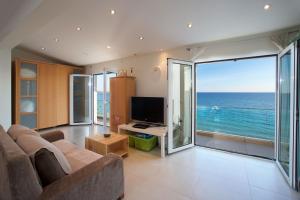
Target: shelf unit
26,93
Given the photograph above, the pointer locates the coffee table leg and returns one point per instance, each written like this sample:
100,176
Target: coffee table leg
162,146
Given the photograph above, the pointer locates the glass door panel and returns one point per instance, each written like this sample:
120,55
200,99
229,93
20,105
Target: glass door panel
28,94
285,128
180,106
98,98
107,96
285,114
102,97
80,105
28,70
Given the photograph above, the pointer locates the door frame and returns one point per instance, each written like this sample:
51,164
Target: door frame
71,100
170,62
292,158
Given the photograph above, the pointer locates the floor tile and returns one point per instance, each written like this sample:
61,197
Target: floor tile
196,173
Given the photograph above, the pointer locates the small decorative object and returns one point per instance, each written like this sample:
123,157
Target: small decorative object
27,106
107,135
131,72
122,72
27,73
117,120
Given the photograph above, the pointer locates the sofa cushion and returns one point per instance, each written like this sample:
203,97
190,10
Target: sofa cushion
31,144
47,166
78,158
17,130
18,179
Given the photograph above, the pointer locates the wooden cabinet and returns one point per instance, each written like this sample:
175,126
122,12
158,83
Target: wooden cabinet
62,93
121,91
46,91
41,94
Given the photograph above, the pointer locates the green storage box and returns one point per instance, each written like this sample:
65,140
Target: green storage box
145,144
131,140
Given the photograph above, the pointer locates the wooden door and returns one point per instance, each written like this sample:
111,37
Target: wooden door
62,93
46,93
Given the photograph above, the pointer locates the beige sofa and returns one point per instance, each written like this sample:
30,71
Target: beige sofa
93,176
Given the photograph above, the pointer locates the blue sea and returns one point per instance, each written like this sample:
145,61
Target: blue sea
244,114
100,96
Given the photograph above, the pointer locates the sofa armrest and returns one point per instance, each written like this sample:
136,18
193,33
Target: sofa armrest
101,180
53,136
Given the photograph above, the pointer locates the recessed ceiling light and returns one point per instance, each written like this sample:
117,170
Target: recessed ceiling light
78,28
190,25
141,37
267,7
43,48
56,40
112,12
108,47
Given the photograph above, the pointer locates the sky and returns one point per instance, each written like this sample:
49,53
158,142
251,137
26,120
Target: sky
246,75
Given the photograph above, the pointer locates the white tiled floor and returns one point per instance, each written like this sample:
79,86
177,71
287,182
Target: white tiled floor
196,173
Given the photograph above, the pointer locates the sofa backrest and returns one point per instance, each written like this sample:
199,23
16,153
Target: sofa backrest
18,177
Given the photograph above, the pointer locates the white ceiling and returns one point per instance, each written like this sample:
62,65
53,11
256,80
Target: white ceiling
162,23
12,12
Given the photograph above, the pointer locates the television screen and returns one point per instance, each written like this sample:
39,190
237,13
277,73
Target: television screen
148,109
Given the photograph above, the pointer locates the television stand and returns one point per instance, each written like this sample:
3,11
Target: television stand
141,126
160,131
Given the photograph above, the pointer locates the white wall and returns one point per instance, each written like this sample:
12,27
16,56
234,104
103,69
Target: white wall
19,52
152,82
5,88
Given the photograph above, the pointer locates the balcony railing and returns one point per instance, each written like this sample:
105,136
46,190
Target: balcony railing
248,122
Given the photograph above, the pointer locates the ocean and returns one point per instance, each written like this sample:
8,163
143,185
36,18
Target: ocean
244,114
100,96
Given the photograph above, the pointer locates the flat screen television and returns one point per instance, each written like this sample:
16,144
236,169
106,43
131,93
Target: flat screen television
147,109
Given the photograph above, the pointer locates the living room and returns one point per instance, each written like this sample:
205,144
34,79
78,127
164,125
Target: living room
149,99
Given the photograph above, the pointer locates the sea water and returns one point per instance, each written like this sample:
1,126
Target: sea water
243,114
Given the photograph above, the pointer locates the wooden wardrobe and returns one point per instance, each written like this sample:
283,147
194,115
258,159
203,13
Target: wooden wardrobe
121,91
41,93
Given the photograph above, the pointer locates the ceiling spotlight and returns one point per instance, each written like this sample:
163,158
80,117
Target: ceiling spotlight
43,48
267,7
190,25
78,28
108,47
141,37
56,40
112,12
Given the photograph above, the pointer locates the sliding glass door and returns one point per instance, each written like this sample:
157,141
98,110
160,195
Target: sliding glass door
180,105
286,114
80,99
102,98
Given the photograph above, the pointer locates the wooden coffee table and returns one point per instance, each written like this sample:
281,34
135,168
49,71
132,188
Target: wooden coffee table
116,143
